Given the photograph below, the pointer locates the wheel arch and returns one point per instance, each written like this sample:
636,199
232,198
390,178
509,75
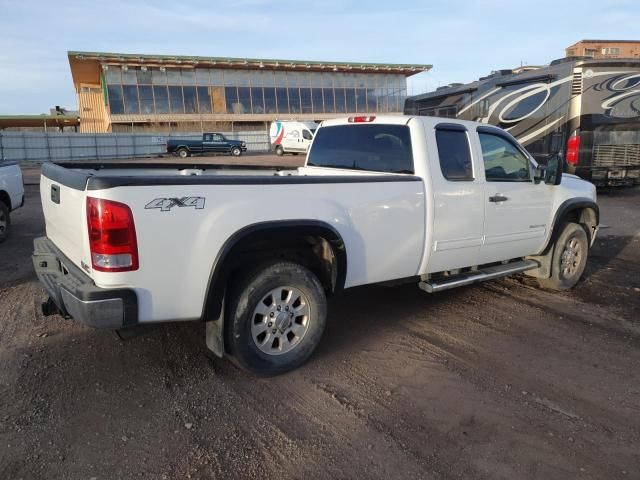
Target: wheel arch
283,237
6,199
583,211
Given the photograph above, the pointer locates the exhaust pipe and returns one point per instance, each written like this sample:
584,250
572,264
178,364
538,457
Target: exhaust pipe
50,308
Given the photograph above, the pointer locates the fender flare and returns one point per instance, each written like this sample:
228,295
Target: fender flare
566,207
215,292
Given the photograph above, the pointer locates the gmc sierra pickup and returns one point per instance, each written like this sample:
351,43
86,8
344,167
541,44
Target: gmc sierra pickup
11,195
255,253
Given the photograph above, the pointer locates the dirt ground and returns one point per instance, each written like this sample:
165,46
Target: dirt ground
493,381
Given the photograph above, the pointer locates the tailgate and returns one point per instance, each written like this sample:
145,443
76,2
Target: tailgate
63,196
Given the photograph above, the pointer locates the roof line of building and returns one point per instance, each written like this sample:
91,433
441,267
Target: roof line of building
607,41
408,69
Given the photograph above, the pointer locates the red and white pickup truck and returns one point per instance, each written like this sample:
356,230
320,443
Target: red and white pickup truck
255,253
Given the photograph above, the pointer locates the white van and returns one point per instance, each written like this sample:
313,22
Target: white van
291,136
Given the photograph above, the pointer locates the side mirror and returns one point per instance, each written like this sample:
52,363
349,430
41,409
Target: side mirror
553,170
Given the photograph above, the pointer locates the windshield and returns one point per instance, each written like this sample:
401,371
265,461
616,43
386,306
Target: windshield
372,147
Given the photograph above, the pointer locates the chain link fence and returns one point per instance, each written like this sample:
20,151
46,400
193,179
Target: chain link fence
38,147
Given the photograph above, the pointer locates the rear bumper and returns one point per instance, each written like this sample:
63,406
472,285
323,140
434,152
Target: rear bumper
75,294
623,175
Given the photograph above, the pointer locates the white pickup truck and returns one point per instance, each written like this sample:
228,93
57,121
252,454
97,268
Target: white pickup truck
11,195
255,253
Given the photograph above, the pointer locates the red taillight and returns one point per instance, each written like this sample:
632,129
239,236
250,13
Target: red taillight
112,236
362,119
573,149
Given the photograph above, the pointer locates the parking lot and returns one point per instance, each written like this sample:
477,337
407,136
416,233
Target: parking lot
496,380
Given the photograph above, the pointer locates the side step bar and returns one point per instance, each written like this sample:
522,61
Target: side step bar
488,273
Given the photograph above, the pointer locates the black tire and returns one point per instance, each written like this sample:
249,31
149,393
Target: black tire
183,152
571,250
279,150
235,151
5,221
247,294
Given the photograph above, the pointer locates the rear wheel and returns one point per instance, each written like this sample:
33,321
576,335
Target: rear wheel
183,153
5,221
276,317
236,152
569,258
279,150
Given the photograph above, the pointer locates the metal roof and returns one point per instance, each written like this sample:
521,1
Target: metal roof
231,62
7,121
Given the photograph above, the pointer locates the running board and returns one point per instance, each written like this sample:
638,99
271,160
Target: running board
488,273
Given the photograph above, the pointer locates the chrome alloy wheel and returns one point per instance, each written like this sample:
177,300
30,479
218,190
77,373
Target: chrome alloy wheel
280,320
571,257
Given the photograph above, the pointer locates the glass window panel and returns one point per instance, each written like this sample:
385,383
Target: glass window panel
257,99
267,79
294,100
327,80
145,93
116,104
112,75
129,77
293,79
305,100
280,79
175,100
372,100
361,80
144,77
454,155
270,100
316,98
351,100
503,161
130,93
190,99
244,100
202,76
244,78
283,100
338,80
216,77
231,97
329,104
188,76
161,97
204,100
340,100
173,76
361,100
158,77
231,78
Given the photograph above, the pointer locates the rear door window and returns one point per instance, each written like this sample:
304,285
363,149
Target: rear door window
454,154
372,147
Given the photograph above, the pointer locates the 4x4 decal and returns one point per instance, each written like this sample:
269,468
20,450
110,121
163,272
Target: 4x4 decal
166,204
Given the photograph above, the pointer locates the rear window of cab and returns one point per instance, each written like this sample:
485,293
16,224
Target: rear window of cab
369,147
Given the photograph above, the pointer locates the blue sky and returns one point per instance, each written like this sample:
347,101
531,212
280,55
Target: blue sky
463,39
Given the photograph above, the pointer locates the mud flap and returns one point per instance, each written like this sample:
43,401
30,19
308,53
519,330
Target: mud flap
215,334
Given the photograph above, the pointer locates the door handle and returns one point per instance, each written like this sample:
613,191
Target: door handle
498,198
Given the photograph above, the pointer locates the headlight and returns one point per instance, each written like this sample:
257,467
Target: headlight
244,144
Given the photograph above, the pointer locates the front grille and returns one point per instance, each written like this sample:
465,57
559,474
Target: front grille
616,155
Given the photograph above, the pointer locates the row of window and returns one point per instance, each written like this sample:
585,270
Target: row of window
250,78
387,148
503,161
160,99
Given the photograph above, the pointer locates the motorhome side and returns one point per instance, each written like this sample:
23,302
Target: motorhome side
291,136
11,195
584,109
255,254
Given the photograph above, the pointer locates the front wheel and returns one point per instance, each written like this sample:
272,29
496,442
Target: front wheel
236,152
5,221
279,150
276,317
569,258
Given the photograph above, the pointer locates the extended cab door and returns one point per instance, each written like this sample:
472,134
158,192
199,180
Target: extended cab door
517,209
457,194
219,143
207,143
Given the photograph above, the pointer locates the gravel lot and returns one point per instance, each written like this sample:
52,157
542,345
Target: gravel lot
497,381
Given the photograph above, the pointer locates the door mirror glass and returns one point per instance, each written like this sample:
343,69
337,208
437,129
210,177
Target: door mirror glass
553,170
